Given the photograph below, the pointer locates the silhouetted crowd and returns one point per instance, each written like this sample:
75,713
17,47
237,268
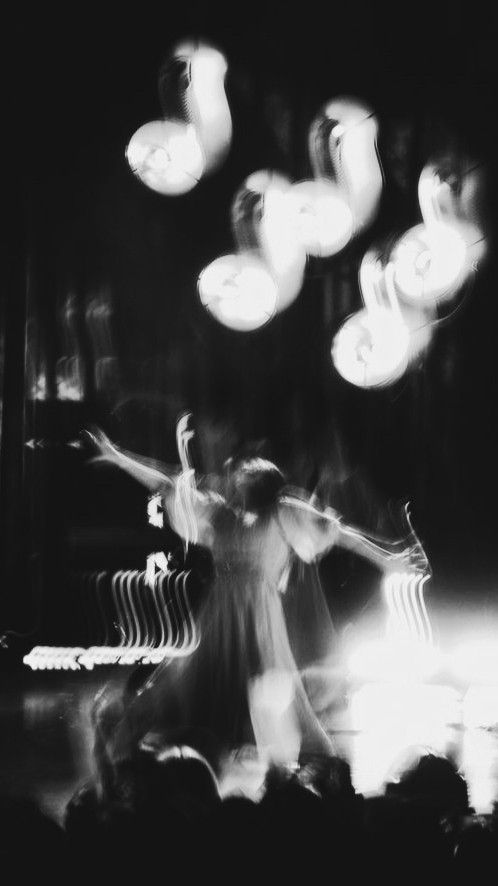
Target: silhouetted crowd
162,813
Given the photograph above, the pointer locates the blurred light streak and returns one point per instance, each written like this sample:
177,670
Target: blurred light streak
206,100
433,259
262,221
352,144
153,622
70,370
238,291
171,155
98,316
185,488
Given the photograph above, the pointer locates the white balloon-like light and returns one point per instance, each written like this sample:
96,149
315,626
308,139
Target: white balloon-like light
429,263
238,291
166,156
371,348
323,220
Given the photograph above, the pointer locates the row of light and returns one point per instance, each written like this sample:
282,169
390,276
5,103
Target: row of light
74,658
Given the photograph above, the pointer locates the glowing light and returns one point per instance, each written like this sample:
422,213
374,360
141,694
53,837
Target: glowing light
408,618
429,263
478,764
209,106
353,147
154,622
273,717
394,661
276,233
239,292
480,707
185,485
323,219
476,662
391,720
191,82
166,156
275,690
371,348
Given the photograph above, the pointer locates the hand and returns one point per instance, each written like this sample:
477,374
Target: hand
411,559
105,451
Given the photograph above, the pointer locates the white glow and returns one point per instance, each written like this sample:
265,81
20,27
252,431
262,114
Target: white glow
323,220
276,233
476,662
166,156
208,105
480,707
429,263
357,166
479,766
238,291
394,661
273,716
391,720
408,619
371,348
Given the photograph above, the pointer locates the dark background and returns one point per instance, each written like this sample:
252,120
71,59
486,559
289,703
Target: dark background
78,84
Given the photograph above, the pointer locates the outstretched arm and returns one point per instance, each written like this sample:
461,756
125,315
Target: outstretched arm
152,478
312,531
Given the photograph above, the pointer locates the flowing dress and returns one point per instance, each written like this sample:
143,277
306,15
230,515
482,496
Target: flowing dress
243,632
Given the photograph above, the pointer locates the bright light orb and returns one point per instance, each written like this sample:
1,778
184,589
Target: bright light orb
277,234
239,292
371,348
166,156
430,263
323,220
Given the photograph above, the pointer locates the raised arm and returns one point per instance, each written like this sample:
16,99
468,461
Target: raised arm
154,479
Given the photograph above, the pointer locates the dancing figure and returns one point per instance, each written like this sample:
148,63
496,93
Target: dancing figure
241,686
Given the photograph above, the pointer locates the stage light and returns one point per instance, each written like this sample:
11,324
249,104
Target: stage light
429,263
371,348
394,661
238,291
476,662
322,218
480,707
262,220
392,720
166,156
352,145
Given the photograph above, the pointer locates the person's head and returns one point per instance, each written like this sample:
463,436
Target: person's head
254,485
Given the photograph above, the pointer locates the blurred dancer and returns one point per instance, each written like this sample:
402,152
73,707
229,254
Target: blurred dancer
241,685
